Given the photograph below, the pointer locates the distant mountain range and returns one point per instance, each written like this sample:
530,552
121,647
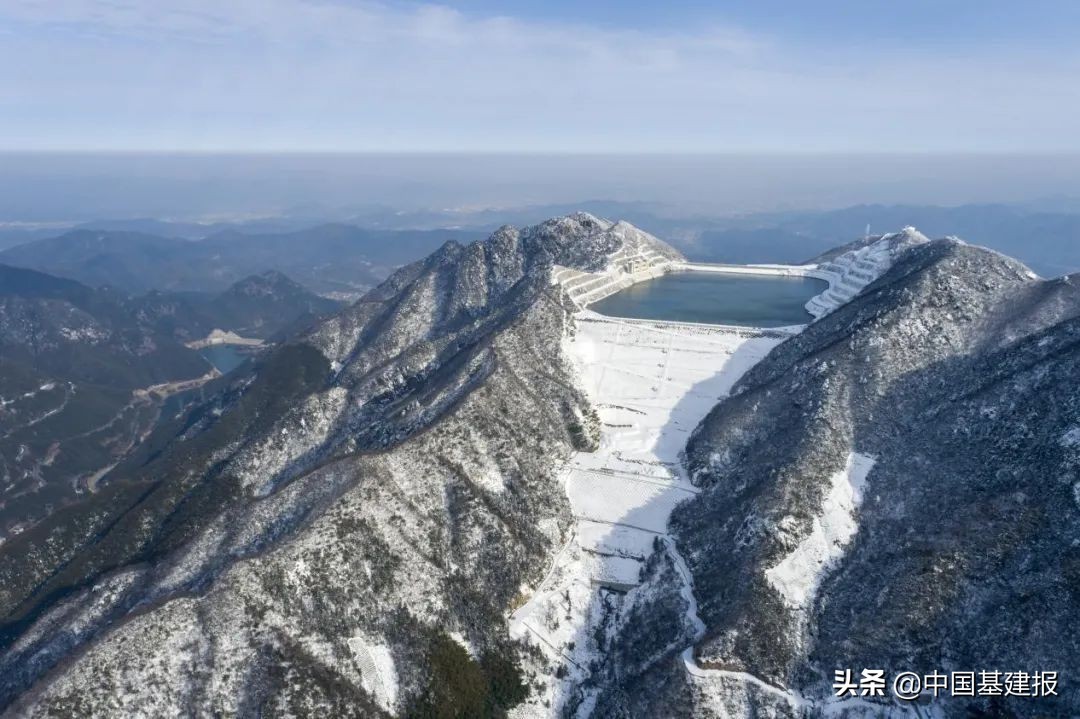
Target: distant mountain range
344,259
262,306
327,259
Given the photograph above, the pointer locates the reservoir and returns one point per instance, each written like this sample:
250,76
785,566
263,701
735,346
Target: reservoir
224,357
716,298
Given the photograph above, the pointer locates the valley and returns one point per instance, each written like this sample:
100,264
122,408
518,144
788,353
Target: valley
651,383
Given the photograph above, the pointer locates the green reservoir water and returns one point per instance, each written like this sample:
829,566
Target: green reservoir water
716,298
225,357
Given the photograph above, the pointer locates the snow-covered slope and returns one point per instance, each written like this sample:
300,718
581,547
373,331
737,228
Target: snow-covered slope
352,515
888,489
650,383
849,272
351,527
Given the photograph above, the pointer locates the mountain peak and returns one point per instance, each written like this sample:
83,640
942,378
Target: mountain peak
274,276
587,219
907,236
391,481
585,242
266,284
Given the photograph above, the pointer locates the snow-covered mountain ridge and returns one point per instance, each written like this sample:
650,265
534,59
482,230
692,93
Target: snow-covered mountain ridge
382,482
355,522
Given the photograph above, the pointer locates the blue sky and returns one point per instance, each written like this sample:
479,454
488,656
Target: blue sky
557,76
920,21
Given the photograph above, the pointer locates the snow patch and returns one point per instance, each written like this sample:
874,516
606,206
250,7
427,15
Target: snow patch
462,642
377,671
799,574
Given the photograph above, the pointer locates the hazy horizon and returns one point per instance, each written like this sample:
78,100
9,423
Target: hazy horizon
196,109
73,187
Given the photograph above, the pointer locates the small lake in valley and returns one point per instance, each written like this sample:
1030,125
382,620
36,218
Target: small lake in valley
225,357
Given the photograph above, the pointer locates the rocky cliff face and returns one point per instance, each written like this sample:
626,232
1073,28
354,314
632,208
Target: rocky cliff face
895,489
342,529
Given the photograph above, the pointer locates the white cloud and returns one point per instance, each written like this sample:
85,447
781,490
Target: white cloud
280,74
